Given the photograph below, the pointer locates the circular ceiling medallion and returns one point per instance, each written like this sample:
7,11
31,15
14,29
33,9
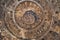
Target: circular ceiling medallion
28,20
28,15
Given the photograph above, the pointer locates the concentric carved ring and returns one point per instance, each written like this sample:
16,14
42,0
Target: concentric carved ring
28,14
29,18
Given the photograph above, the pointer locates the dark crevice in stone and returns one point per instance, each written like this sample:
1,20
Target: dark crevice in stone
19,0
56,12
43,39
1,37
58,22
55,22
1,12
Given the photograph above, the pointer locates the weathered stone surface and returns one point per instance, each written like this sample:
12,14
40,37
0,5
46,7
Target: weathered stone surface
29,19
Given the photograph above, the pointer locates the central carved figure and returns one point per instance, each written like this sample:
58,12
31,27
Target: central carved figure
29,17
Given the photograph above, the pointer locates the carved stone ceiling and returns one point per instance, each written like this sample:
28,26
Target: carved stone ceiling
29,19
